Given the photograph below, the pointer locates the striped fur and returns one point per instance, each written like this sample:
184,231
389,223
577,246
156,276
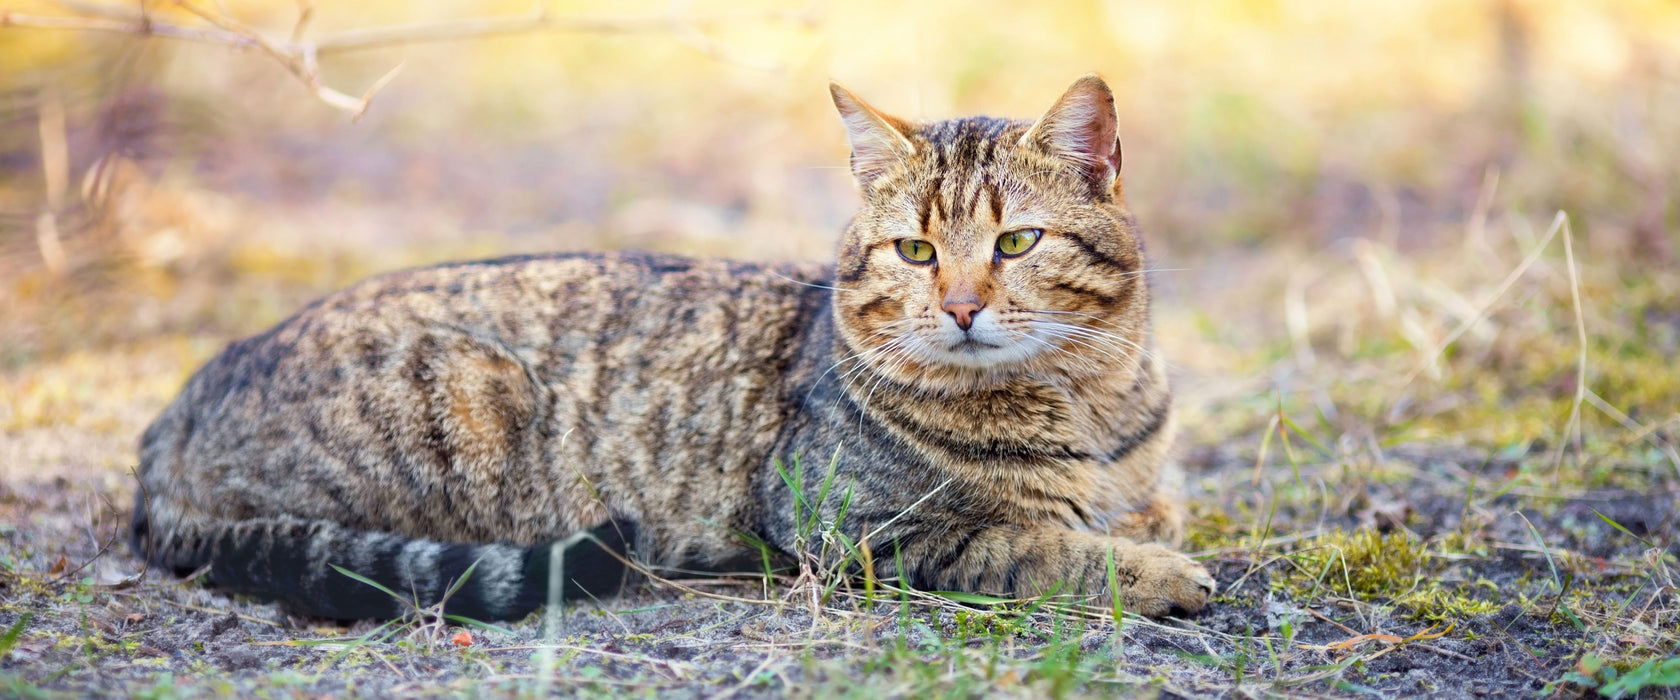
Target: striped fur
416,423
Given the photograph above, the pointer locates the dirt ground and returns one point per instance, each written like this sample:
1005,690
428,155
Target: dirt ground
90,625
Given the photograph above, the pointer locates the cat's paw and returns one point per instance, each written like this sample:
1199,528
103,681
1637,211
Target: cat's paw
1164,582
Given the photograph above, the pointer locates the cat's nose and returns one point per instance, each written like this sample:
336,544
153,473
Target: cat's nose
963,312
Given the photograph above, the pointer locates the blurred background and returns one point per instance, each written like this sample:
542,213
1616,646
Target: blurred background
1351,205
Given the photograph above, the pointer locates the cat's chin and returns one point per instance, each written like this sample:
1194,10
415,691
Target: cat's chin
969,353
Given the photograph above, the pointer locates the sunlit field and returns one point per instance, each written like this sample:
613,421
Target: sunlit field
1416,269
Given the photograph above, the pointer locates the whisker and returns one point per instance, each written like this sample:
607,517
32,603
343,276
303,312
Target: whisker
1082,343
774,273
1086,363
883,376
883,331
1071,332
1093,317
1112,340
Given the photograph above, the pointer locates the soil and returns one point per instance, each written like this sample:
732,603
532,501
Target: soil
94,628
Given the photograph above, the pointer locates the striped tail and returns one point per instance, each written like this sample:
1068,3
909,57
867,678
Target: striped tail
292,561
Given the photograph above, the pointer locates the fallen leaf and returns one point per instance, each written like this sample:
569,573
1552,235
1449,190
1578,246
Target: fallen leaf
1437,635
1352,642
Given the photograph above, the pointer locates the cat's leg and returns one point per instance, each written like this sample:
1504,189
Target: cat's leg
1159,519
1016,561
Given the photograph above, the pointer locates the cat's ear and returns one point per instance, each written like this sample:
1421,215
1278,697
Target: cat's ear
879,141
1081,130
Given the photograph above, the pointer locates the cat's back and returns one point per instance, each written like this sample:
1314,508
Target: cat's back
460,391
553,311
537,301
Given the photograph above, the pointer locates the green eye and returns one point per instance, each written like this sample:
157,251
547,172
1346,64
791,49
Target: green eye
915,250
1018,242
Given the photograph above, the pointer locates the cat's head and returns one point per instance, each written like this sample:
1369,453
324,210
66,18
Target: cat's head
989,247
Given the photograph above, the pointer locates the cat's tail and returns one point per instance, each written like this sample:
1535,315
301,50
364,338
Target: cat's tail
293,561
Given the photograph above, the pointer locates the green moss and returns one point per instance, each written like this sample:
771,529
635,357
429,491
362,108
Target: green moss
1395,568
1436,602
1365,563
1211,527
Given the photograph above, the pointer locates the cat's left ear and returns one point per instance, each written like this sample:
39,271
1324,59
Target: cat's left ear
1081,131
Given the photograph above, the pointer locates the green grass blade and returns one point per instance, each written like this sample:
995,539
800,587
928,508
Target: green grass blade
358,577
1556,578
12,635
1114,595
1618,526
461,580
970,598
795,484
1292,425
822,491
460,620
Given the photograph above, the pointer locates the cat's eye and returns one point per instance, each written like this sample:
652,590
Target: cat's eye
915,250
1018,242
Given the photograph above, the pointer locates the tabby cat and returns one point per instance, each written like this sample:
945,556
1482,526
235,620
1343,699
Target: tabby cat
978,363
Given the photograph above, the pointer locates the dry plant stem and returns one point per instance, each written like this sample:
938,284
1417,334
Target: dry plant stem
55,170
299,56
746,679
1639,432
1429,363
213,611
1572,428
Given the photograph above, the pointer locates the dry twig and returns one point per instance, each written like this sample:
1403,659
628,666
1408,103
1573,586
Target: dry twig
300,56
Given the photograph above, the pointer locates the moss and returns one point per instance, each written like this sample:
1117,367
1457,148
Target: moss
1365,563
1211,527
1465,542
1396,568
1436,602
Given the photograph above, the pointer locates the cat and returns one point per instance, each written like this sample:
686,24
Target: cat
975,374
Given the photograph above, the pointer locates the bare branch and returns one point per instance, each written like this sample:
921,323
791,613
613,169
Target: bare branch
306,12
120,26
298,59
299,56
539,21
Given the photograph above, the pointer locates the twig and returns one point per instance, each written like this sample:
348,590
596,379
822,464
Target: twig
631,658
1327,618
747,679
214,611
540,21
300,57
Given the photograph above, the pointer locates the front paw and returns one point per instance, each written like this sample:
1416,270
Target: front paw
1157,581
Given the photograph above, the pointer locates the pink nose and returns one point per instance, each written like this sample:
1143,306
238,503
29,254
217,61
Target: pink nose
964,313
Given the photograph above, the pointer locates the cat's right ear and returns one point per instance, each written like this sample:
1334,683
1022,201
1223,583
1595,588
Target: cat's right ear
879,141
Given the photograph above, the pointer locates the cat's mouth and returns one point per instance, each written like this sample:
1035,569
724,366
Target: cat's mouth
972,345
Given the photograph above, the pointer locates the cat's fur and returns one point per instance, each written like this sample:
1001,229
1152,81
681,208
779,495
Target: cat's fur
1001,423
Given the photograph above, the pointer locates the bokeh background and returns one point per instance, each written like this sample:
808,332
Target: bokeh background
1349,203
